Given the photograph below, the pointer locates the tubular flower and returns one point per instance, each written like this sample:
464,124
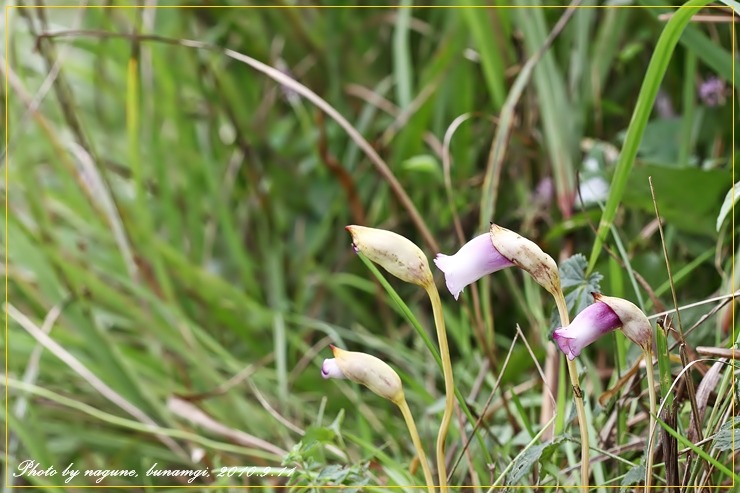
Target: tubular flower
496,250
364,369
476,258
603,316
395,253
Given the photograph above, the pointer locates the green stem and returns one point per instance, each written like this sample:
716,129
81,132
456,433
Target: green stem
577,396
411,425
653,414
444,350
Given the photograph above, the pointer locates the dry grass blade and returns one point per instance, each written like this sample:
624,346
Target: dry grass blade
91,378
725,298
380,165
446,169
195,415
608,394
30,376
681,375
375,99
706,387
506,119
478,422
718,352
670,452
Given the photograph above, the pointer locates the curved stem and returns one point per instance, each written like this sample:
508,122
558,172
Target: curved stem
411,425
444,351
653,415
577,396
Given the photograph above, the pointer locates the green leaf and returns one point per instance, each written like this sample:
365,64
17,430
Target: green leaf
660,141
423,163
724,439
484,39
577,286
643,108
699,451
633,476
687,197
309,445
523,464
730,199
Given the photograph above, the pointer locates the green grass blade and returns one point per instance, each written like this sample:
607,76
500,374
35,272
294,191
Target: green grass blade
479,22
643,108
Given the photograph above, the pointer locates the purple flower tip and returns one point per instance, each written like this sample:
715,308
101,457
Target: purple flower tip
330,369
593,322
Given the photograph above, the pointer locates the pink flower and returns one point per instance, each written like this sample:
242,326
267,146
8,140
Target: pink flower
593,322
476,258
605,315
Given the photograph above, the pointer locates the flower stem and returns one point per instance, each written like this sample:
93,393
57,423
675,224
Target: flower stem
444,351
417,443
577,396
653,415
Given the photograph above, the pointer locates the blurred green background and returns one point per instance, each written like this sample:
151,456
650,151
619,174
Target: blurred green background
177,262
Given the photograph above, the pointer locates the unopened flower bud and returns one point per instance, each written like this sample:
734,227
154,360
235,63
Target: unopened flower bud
634,323
526,255
364,369
395,253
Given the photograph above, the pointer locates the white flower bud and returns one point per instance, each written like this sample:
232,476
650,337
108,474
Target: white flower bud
364,369
526,255
396,254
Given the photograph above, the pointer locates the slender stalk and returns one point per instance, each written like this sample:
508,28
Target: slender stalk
653,414
411,425
577,396
444,351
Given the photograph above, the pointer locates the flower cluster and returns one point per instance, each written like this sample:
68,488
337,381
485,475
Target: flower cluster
485,254
603,316
501,248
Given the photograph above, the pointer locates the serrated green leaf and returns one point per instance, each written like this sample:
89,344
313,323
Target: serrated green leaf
573,273
523,464
577,286
724,439
633,476
313,438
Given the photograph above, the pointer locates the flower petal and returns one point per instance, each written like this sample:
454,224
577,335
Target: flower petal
593,322
476,258
330,369
564,343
